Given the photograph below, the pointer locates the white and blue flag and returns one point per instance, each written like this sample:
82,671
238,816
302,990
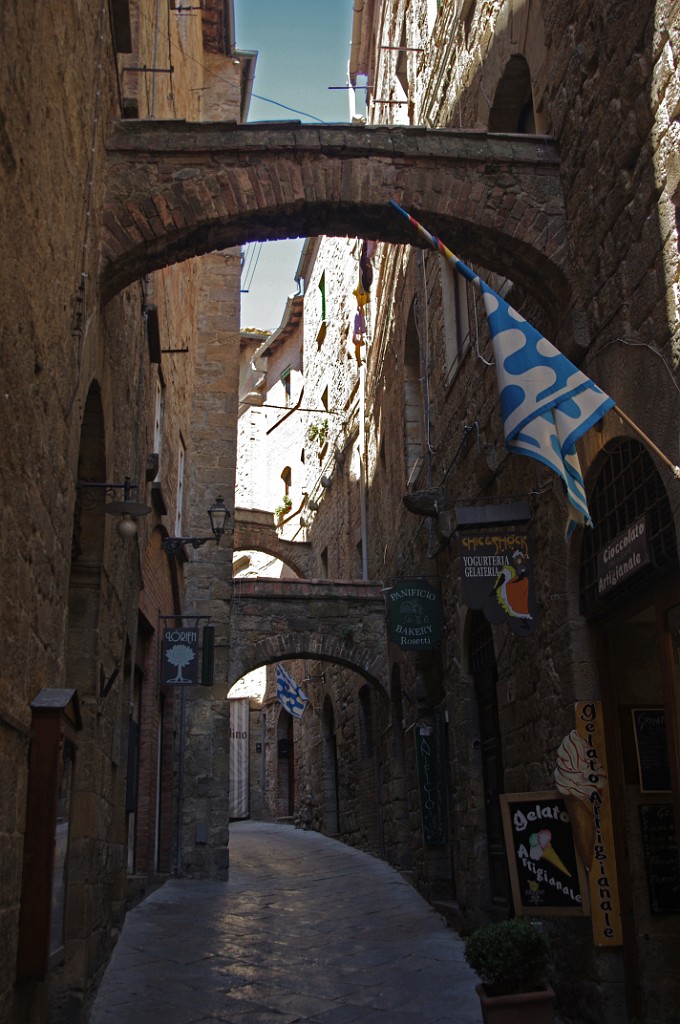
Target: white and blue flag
546,402
289,693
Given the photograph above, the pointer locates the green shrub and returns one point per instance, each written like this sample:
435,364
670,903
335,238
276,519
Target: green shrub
318,431
282,510
509,956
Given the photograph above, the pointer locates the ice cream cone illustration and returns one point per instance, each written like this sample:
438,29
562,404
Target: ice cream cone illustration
540,845
581,817
577,777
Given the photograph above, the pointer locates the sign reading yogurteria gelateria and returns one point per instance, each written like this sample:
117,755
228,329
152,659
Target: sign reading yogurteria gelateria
497,576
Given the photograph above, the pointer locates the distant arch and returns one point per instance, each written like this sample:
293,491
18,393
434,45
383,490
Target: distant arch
254,530
313,646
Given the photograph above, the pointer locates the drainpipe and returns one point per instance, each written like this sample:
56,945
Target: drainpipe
355,45
362,466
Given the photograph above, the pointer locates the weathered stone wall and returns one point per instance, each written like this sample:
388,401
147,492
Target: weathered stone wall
604,84
54,343
214,413
71,621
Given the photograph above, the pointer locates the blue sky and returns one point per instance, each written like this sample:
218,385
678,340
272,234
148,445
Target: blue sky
303,48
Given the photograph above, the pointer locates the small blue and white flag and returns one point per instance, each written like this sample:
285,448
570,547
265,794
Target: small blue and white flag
546,402
289,693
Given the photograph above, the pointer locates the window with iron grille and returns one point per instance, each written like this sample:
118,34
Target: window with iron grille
627,488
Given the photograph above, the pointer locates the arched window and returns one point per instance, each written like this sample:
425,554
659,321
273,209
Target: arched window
513,105
627,491
287,477
414,433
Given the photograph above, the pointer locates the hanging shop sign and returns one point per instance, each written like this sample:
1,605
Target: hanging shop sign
430,733
623,556
497,576
546,875
414,615
179,655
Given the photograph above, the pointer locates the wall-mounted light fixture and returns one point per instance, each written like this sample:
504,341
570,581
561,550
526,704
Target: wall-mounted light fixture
326,481
218,514
129,510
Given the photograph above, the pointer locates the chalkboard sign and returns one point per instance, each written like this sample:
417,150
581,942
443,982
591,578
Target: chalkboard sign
431,754
660,845
649,725
547,876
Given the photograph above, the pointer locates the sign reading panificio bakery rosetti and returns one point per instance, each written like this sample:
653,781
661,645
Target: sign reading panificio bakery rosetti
414,615
623,556
497,576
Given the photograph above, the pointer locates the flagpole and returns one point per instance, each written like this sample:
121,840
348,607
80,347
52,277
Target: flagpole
436,243
650,444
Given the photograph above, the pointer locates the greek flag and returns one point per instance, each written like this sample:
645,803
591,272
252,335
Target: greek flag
546,402
289,693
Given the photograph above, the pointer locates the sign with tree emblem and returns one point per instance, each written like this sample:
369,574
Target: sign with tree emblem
414,615
179,656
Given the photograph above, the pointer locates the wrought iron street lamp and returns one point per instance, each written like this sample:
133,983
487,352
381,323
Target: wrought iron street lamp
127,509
218,514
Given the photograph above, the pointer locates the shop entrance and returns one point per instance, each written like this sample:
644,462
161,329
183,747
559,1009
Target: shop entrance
641,675
630,589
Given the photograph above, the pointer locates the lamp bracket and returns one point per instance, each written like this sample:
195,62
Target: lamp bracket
173,545
126,507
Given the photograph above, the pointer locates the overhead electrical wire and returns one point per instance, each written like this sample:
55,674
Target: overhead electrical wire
264,99
250,265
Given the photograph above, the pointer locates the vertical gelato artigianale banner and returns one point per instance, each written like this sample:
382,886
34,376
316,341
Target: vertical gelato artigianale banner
581,778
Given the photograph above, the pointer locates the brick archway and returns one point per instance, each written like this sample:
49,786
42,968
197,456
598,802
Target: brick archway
320,620
313,646
254,530
177,190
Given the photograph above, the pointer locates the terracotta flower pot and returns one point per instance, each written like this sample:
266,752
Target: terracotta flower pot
524,1008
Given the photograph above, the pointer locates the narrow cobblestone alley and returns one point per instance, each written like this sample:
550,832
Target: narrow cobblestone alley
306,929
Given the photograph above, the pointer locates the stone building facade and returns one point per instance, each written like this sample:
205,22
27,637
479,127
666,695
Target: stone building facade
421,425
563,122
135,391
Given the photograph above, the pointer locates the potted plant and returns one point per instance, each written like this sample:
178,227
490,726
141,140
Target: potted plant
511,957
282,510
318,431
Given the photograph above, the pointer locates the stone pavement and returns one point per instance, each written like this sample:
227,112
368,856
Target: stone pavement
306,929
